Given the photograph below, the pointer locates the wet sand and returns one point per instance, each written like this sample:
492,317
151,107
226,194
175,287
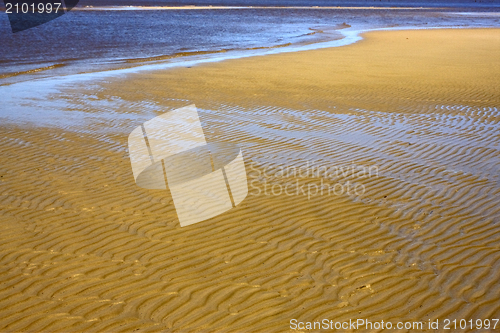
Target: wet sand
82,248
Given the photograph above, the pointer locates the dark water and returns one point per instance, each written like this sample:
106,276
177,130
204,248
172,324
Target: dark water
83,39
378,3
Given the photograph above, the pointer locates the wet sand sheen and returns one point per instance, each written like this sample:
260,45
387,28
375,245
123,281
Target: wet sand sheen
83,248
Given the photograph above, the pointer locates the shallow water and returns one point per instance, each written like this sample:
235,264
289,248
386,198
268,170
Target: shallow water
90,39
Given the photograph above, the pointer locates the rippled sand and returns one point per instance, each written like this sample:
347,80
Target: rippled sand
82,248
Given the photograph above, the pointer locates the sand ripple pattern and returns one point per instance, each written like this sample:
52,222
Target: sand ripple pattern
82,248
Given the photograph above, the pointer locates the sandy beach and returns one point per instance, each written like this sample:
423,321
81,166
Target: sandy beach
83,248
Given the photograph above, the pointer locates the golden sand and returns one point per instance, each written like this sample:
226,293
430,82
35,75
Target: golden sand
82,248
